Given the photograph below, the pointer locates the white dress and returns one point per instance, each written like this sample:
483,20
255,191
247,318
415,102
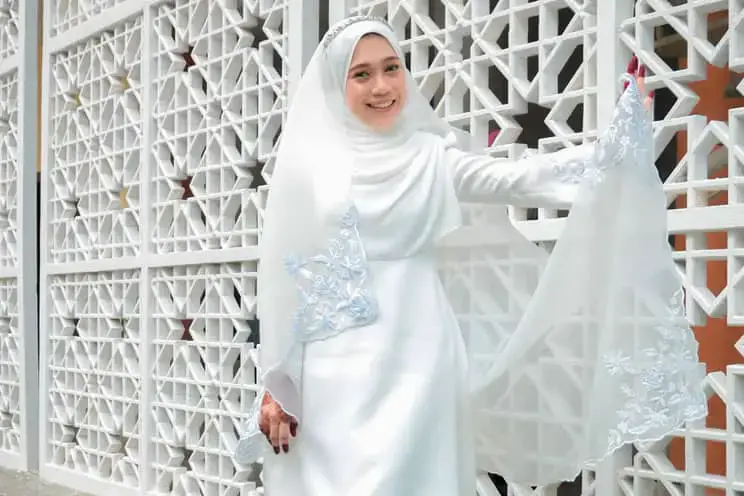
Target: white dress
385,406
553,367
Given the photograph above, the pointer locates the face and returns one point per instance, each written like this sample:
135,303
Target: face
375,83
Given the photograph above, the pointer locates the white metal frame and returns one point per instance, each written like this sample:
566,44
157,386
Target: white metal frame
27,220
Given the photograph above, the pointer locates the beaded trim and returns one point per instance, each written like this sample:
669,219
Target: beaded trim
331,35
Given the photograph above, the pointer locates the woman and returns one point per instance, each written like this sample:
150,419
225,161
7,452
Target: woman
371,388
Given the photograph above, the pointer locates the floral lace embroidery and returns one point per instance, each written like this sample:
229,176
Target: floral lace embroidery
661,387
626,134
576,171
334,296
333,286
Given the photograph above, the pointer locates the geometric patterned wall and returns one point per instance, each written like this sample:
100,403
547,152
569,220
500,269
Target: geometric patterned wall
10,161
160,121
160,118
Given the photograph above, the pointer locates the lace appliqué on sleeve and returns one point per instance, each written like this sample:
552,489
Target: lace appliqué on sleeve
625,134
333,286
661,387
577,170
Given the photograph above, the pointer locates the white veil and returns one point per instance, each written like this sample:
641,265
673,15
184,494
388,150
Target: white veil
571,355
311,159
579,352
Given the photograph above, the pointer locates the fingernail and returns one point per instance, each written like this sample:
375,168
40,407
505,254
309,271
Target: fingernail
276,449
633,65
625,85
651,94
642,71
293,430
286,448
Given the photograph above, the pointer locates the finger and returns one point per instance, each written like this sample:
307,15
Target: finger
284,435
274,436
264,427
642,79
293,428
632,69
263,423
633,65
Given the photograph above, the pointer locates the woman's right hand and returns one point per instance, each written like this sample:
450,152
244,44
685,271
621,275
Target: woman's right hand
638,72
276,424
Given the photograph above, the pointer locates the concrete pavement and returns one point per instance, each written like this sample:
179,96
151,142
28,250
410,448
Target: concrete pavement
28,484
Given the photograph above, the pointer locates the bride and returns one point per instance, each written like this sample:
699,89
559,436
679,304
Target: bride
373,384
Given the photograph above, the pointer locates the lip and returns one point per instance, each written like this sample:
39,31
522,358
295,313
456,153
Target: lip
382,109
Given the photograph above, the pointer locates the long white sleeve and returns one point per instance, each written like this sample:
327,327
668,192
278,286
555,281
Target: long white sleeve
547,180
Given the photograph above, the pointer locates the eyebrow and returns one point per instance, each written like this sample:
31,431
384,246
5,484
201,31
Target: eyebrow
367,64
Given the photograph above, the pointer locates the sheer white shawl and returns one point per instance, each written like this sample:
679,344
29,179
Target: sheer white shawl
573,354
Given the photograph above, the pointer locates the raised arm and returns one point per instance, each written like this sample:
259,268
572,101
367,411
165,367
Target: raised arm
547,180
550,180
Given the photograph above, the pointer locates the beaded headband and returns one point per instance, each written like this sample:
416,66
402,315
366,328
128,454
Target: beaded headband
331,35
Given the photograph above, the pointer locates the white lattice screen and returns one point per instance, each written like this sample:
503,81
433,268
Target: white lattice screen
159,124
10,372
160,118
18,268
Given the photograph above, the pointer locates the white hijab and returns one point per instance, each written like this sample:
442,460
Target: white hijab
592,352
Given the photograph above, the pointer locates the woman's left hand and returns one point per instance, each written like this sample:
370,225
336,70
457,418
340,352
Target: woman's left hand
639,73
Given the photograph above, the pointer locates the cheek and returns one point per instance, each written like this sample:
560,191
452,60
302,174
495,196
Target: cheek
400,88
353,96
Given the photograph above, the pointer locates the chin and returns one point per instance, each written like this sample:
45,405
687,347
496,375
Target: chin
383,127
383,124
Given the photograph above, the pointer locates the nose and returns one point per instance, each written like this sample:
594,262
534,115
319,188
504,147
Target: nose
380,87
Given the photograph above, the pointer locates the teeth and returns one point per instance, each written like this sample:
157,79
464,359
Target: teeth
383,105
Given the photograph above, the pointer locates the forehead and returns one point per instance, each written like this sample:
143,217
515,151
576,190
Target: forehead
372,48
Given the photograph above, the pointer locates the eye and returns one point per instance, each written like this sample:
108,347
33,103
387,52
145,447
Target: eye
361,75
392,68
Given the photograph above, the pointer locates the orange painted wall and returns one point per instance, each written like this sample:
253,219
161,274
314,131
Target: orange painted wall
716,338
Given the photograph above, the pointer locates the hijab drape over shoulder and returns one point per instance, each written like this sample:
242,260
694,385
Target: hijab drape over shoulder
571,354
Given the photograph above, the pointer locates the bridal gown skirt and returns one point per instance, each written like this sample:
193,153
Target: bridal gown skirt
385,410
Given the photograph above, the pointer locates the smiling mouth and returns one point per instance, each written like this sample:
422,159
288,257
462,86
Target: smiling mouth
382,106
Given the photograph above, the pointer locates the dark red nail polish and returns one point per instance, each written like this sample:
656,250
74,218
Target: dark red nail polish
651,94
293,430
276,450
642,71
285,448
633,65
625,85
